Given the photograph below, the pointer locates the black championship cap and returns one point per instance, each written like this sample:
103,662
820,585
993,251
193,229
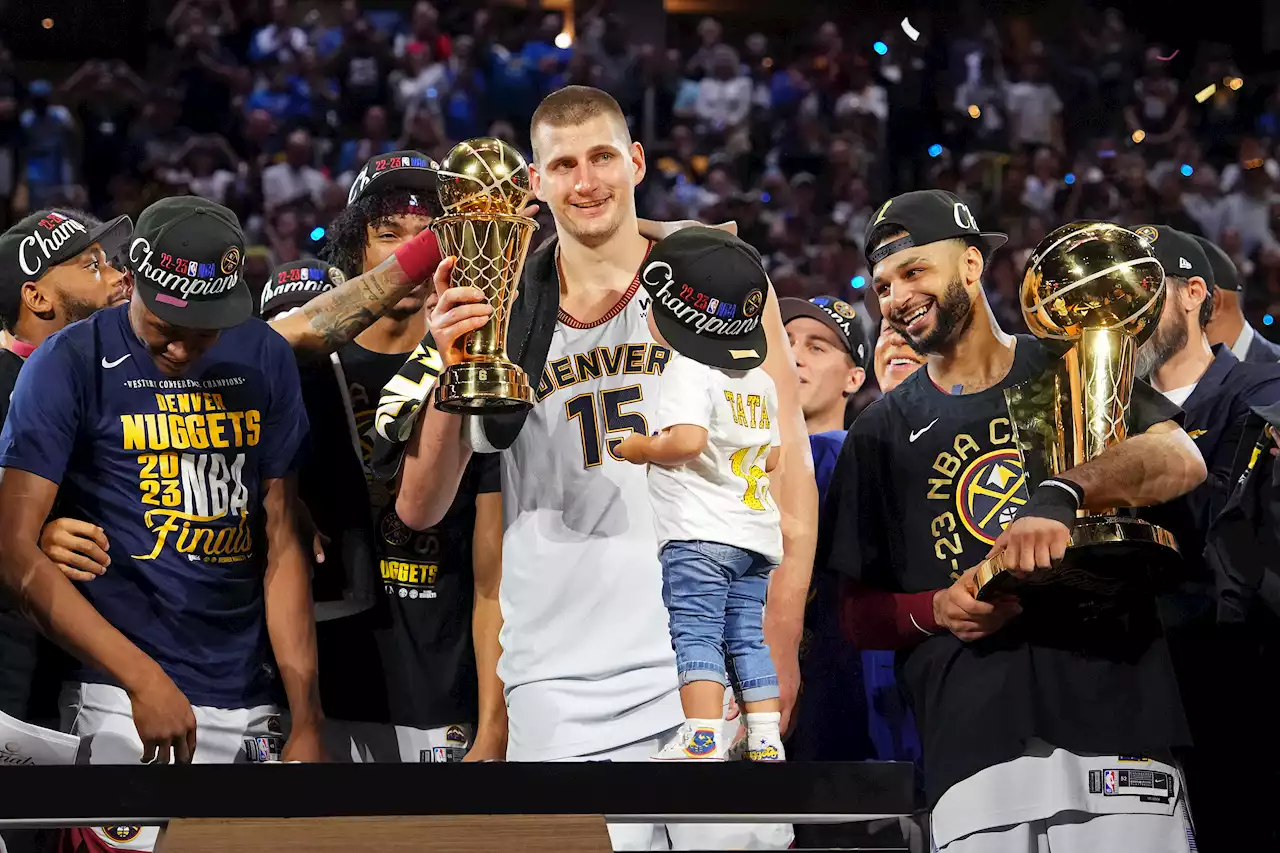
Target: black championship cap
186,257
1225,273
837,315
709,292
399,170
927,216
47,238
293,285
1177,252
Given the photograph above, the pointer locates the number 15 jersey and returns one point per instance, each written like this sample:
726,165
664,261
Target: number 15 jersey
587,660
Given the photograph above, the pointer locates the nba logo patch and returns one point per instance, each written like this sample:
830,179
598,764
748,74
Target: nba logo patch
1109,782
262,749
702,743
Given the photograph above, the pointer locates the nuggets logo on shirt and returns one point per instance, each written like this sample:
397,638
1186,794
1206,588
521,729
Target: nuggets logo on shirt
979,492
989,493
191,473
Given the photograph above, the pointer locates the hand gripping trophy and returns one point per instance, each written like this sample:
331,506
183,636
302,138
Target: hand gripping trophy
1098,289
483,185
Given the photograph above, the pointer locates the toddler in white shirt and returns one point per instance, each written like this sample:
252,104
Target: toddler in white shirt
709,460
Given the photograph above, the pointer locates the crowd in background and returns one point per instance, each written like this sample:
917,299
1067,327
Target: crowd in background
269,107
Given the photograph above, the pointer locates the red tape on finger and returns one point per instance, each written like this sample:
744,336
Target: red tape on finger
420,256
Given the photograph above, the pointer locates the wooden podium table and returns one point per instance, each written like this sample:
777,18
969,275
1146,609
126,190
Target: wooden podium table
428,807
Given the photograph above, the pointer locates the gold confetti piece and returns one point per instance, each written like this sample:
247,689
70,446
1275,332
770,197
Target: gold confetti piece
1235,83
912,32
974,112
1206,93
1138,135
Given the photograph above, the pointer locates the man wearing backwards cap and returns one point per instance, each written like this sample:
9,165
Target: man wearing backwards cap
929,484
173,422
1217,392
1228,325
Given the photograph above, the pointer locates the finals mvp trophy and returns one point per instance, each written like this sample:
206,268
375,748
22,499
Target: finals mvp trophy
1098,289
483,185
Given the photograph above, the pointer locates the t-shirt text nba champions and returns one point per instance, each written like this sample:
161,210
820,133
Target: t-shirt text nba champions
174,470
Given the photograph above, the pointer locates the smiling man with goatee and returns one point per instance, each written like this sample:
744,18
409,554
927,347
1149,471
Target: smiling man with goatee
930,483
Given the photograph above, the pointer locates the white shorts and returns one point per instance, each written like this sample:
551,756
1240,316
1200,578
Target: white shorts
1084,832
103,716
367,743
686,836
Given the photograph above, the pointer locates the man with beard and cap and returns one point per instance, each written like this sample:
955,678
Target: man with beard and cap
172,421
1006,703
54,270
1217,393
1227,324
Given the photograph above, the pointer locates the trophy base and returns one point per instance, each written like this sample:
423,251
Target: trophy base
1110,558
484,388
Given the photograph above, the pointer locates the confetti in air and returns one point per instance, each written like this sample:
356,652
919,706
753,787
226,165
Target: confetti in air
1206,93
1169,57
912,32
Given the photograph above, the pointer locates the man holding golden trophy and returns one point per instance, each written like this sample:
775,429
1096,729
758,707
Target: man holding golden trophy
981,515
555,379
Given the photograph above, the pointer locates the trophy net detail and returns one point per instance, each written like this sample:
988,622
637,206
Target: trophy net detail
491,250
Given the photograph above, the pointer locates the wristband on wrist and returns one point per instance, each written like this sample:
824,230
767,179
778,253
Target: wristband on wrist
1057,499
420,256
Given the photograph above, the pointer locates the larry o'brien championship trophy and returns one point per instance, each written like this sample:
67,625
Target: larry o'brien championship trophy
1098,289
484,184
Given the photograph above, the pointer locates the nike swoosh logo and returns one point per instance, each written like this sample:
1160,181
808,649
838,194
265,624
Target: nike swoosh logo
110,364
919,432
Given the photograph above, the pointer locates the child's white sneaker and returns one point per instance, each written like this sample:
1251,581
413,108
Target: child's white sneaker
765,747
697,740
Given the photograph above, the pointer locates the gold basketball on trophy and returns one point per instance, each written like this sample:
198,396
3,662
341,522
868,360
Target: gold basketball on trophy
1097,288
484,176
1092,275
483,186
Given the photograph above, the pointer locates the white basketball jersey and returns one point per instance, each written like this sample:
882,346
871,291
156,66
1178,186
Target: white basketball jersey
586,652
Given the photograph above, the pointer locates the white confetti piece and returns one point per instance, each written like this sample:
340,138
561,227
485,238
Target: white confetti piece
912,32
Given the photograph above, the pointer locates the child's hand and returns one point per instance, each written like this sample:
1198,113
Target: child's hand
633,449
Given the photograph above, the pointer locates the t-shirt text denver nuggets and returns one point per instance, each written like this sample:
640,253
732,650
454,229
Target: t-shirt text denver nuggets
174,470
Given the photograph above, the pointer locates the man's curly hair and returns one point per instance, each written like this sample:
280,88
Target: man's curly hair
348,232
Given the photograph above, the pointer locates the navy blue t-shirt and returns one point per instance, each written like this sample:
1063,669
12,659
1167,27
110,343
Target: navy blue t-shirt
174,471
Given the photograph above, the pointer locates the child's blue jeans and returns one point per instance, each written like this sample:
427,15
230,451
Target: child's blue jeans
715,600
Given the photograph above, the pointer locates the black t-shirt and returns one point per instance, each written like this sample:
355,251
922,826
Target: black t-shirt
17,634
925,483
408,661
